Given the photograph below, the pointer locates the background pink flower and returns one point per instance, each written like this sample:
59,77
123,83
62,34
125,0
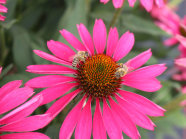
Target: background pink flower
147,4
2,9
94,78
18,120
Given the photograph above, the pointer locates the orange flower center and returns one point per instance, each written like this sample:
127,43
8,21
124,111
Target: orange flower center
96,76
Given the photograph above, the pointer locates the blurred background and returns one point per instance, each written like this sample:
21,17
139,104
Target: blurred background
30,24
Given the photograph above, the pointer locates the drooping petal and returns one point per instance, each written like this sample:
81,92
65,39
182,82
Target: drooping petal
99,131
147,4
10,86
131,2
22,111
146,106
15,98
112,41
99,36
135,114
139,60
124,46
53,93
3,1
146,72
181,39
50,69
84,125
86,38
3,9
59,105
181,62
148,85
48,81
160,3
51,57
70,121
125,122
27,135
27,124
113,129
61,50
70,38
117,3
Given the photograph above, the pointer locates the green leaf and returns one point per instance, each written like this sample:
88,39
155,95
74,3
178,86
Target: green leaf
22,51
137,24
76,13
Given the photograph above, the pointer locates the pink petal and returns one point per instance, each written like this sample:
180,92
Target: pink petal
148,85
135,114
160,3
104,1
84,125
3,1
113,129
53,93
147,4
181,62
3,9
99,36
22,111
170,41
2,18
15,98
50,69
70,121
70,38
112,41
60,104
51,57
86,38
99,131
27,124
27,135
124,46
48,81
125,122
139,60
181,39
146,72
143,104
10,86
61,50
117,3
131,3
0,69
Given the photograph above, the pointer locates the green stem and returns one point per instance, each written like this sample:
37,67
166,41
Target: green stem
115,17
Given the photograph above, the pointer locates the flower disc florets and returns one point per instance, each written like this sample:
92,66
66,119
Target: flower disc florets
96,76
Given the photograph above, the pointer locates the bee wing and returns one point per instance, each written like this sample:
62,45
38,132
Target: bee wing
71,58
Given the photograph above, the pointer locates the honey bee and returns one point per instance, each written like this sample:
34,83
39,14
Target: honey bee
121,70
80,56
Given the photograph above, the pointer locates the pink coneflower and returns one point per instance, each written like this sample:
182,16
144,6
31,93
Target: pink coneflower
170,22
98,77
147,4
18,120
3,9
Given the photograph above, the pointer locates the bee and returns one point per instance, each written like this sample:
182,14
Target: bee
80,56
121,70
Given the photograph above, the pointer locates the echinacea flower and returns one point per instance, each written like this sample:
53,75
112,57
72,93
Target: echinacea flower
98,77
18,120
171,23
147,4
3,9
